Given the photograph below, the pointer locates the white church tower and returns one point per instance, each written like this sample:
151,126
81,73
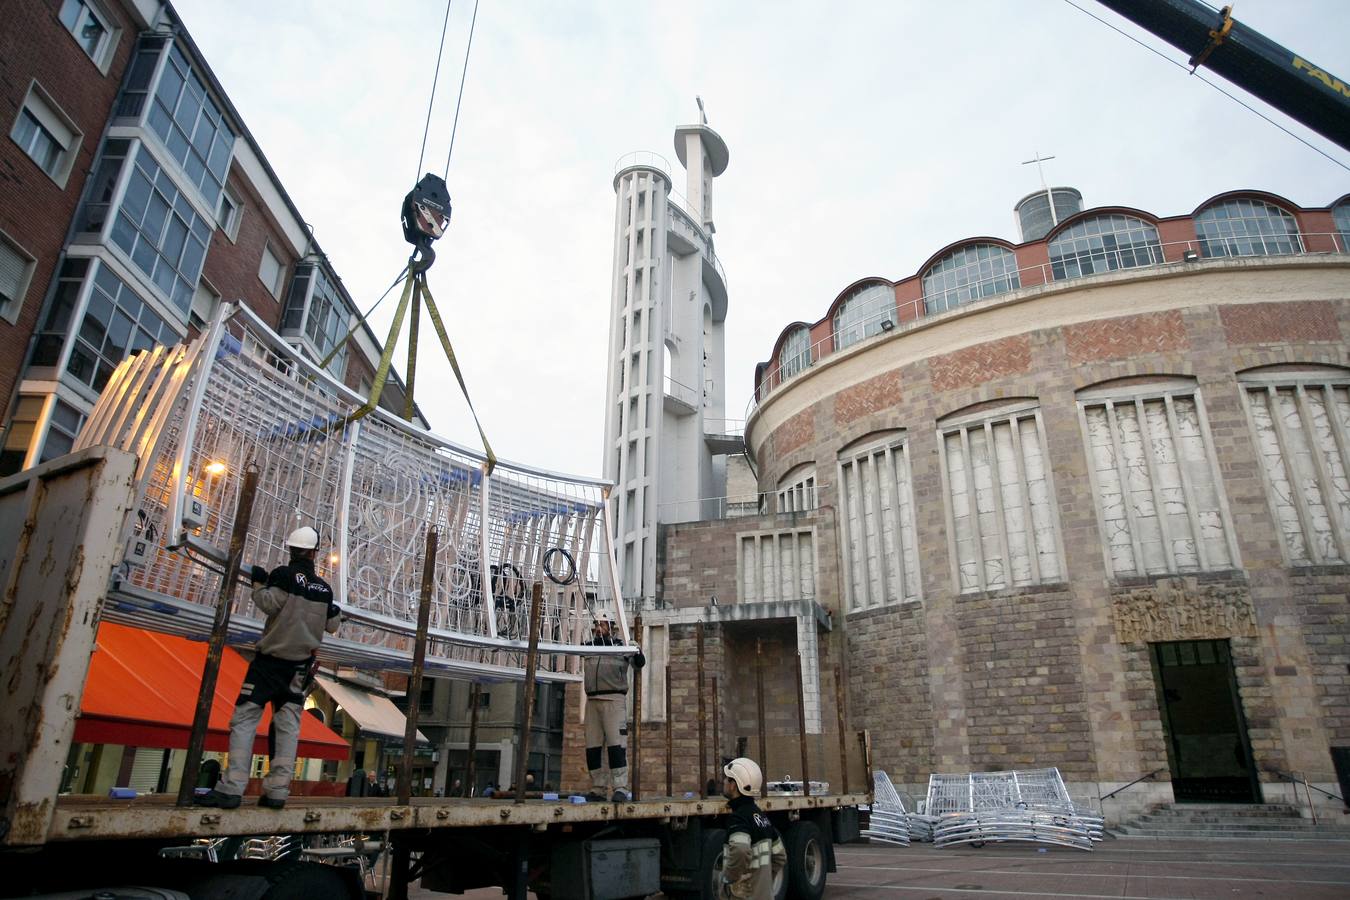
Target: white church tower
665,440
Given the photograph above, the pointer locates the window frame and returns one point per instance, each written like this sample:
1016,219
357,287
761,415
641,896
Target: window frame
1298,378
1059,268
1010,279
800,481
229,224
10,309
102,55
869,326
776,538
989,417
795,356
274,290
1229,246
1136,394
48,116
891,442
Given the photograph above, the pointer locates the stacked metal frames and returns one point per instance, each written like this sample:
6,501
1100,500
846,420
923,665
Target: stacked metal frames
1030,805
888,820
198,414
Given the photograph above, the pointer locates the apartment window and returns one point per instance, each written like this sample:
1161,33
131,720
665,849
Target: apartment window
62,430
1104,244
190,123
1301,420
797,490
778,566
862,313
876,522
44,132
103,185
228,214
91,28
16,271
1155,479
140,72
1002,522
19,435
116,324
318,309
484,700
161,232
270,271
969,273
205,302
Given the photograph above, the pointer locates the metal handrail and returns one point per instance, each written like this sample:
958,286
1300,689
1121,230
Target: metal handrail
911,313
1291,777
1131,784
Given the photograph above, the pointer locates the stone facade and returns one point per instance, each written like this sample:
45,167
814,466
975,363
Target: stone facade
1061,673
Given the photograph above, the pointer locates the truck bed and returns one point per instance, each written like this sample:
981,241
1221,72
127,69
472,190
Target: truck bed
92,817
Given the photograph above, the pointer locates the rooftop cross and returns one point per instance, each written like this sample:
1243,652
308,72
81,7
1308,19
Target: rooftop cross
1038,159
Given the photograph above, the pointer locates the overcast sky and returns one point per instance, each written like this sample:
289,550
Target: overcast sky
863,137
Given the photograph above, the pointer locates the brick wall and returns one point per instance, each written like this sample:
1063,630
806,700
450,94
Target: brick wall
232,267
34,210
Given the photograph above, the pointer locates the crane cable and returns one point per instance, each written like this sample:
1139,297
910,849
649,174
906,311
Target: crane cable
1216,87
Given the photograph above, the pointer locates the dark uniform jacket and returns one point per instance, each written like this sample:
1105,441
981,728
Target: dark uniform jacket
299,608
753,852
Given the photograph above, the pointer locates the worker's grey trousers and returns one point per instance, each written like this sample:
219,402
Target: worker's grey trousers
607,727
243,730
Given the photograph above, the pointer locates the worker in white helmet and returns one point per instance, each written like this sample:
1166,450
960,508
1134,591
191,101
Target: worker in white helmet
754,853
606,682
299,608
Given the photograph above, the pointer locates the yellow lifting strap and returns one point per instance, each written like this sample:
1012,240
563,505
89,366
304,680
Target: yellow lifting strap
415,291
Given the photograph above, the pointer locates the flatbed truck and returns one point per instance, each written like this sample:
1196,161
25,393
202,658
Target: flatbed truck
61,536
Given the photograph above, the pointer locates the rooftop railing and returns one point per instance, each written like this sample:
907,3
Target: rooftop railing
911,313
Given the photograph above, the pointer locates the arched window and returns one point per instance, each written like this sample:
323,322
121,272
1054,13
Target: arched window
1103,244
1341,215
1247,227
795,356
969,273
862,313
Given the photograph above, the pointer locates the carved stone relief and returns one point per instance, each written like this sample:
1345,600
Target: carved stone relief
1166,613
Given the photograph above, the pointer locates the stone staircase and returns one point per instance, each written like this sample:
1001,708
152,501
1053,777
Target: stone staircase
1257,821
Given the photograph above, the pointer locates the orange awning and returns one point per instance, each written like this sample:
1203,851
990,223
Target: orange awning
142,692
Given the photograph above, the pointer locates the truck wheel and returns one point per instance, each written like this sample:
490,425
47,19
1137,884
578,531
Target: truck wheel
806,857
710,866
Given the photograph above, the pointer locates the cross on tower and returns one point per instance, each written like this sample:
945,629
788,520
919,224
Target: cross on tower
1038,159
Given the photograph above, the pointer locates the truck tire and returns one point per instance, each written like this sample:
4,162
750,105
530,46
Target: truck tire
806,861
710,865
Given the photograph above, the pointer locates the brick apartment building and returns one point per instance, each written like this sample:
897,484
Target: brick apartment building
133,200
1076,501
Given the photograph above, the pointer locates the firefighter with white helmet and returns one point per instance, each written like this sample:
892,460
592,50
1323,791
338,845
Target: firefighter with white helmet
754,853
299,608
606,683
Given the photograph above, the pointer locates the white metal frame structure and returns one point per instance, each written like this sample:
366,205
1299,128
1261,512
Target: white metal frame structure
196,415
1027,805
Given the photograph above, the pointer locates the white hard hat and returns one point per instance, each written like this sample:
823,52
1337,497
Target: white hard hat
303,538
745,772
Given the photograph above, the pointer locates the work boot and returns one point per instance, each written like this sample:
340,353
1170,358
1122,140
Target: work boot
621,796
269,803
218,799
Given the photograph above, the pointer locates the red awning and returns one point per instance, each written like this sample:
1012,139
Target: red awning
142,692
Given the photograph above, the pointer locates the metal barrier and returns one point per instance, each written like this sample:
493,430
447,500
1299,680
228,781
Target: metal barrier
888,820
1030,805
196,415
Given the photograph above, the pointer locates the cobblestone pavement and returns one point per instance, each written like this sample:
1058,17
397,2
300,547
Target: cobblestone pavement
1124,869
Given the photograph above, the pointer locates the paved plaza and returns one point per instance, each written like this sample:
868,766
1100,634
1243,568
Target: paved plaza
1123,869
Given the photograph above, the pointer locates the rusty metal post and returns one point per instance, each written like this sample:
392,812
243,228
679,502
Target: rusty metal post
670,724
527,703
215,647
843,742
742,745
475,697
635,732
865,744
717,735
759,704
702,717
419,660
801,730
